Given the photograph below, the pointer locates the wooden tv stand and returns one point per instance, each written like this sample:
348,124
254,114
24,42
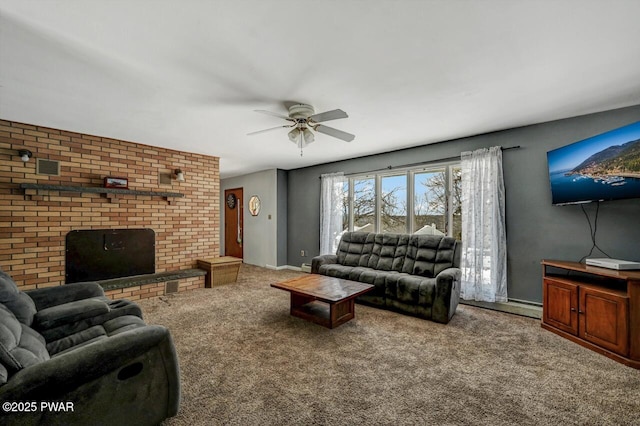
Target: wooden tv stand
597,308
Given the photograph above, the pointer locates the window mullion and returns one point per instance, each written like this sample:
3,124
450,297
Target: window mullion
351,204
378,215
410,201
448,201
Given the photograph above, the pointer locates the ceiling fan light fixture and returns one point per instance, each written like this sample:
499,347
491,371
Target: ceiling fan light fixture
308,135
303,119
294,135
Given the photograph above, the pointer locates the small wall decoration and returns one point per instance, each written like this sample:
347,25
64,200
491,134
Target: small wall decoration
231,201
116,182
254,205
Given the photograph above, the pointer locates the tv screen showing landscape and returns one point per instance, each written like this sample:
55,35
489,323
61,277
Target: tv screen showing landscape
603,167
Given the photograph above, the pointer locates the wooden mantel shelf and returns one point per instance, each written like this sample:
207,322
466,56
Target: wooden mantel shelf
33,188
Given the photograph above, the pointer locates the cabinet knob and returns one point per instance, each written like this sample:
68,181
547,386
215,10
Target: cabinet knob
573,309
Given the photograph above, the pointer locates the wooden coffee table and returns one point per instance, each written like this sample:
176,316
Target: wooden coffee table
324,300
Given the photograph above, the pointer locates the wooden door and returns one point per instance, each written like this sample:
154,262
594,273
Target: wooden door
604,319
233,222
560,305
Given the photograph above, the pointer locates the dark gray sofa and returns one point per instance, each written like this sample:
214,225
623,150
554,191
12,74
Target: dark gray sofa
413,274
94,360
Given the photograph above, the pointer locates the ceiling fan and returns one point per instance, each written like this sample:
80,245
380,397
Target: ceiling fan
302,119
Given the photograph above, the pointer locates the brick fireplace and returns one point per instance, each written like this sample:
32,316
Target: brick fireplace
34,223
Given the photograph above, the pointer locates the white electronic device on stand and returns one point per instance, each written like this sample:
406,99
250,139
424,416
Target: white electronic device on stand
620,265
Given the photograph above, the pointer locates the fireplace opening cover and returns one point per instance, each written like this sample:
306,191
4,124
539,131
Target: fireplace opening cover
101,254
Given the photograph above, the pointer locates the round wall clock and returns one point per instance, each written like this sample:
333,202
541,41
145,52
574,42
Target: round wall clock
231,201
254,205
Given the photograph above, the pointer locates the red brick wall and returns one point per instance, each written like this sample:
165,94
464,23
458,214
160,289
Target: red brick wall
33,228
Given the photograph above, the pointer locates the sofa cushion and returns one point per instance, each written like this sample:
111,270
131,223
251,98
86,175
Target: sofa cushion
16,301
403,287
388,252
23,308
20,345
4,375
446,257
336,270
351,248
378,280
8,288
428,255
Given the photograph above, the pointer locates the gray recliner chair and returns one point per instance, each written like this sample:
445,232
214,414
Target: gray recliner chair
69,355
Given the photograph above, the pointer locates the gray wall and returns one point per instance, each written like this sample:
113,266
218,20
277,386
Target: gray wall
259,232
536,230
282,217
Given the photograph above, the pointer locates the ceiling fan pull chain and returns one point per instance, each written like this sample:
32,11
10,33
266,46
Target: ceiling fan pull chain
301,144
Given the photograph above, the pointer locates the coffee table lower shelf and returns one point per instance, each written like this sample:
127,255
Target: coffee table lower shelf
324,314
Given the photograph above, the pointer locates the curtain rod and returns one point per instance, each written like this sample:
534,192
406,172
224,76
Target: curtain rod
439,160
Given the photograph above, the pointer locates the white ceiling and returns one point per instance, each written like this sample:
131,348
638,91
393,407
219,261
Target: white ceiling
187,74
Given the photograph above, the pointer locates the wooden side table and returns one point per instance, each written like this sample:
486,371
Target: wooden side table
220,270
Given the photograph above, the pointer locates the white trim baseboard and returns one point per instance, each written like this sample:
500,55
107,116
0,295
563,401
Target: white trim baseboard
280,268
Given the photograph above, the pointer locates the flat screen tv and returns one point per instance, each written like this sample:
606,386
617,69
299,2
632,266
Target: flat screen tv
600,168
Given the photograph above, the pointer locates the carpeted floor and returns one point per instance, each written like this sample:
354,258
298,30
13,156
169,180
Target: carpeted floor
245,361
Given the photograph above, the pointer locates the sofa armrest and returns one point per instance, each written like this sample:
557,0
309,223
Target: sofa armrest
132,377
324,259
53,296
447,295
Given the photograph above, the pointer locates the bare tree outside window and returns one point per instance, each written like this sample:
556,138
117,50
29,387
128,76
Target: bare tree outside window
436,202
393,199
345,206
432,201
364,204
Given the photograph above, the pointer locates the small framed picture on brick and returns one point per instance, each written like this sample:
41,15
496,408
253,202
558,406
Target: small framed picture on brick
116,182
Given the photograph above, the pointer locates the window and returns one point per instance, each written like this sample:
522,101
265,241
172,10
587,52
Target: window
393,203
429,202
364,204
423,200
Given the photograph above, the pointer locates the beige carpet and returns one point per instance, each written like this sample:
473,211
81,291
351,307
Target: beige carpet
245,361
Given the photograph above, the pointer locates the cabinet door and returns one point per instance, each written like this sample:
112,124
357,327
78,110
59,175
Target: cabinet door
560,305
604,319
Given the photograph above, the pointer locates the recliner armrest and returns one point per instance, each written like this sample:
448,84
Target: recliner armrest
68,313
447,295
53,296
324,259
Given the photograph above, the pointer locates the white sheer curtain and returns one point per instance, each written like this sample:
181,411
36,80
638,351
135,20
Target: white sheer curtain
331,212
484,241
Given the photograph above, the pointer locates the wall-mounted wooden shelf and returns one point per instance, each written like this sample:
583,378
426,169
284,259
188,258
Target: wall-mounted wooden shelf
111,193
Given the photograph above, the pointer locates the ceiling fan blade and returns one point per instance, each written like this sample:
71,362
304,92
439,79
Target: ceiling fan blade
347,137
268,130
329,115
275,114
